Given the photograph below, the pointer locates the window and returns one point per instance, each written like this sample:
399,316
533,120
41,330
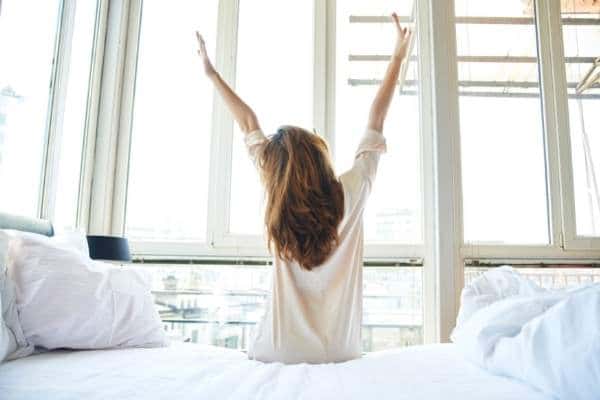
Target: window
74,119
275,73
528,140
193,192
283,82
275,76
394,213
169,168
581,36
43,106
502,137
364,42
25,76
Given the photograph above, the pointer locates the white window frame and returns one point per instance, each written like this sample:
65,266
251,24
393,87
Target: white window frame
57,99
570,241
443,253
108,194
57,94
565,245
105,165
220,242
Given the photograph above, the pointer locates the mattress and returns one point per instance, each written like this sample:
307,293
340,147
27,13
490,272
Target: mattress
191,371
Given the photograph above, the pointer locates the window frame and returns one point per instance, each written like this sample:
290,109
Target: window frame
570,240
57,93
54,144
57,99
105,160
220,242
564,243
443,253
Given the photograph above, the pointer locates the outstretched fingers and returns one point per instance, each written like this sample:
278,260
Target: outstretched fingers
201,44
396,20
402,32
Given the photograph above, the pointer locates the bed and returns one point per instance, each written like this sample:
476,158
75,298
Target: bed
193,371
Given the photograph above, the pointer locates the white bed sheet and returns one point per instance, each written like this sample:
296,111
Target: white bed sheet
190,371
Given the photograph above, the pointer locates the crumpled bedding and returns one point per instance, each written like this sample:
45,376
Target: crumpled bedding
548,339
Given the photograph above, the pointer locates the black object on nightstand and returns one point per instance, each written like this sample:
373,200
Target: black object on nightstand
111,248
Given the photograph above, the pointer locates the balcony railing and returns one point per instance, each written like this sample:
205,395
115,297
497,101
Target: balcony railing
549,278
222,305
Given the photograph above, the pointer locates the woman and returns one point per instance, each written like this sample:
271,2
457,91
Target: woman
314,227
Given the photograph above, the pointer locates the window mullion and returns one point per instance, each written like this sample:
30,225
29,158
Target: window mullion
330,79
56,109
562,133
219,201
548,36
443,245
125,117
89,140
324,23
425,77
320,44
106,163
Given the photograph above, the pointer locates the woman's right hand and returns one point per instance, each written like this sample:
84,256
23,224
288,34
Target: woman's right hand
209,70
402,40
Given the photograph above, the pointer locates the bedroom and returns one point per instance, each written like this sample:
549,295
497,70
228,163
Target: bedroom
108,126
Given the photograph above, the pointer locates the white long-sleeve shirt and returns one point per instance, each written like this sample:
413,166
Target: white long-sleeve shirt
316,316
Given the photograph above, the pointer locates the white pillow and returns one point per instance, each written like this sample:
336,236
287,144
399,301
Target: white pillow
75,239
8,344
12,341
72,239
67,300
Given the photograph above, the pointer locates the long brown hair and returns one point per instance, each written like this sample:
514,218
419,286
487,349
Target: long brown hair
305,200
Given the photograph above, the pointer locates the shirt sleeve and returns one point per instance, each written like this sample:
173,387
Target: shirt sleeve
255,141
367,155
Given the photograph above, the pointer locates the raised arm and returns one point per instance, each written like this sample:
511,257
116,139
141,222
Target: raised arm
242,113
382,101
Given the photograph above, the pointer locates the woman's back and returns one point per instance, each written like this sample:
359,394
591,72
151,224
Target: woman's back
315,315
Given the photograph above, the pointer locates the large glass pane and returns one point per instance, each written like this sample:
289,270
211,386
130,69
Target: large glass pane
27,34
275,77
168,179
364,41
221,305
581,35
502,138
69,162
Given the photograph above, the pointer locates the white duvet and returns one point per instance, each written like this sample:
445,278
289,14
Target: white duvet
547,339
189,371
